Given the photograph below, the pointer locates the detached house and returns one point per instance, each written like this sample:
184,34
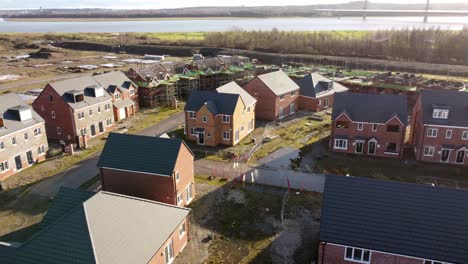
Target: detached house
383,222
224,117
75,110
107,228
440,127
158,169
277,95
123,91
316,92
23,140
369,124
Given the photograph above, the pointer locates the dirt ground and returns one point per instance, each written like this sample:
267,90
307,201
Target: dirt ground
234,223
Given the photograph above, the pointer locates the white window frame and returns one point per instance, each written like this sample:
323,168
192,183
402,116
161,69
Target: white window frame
170,244
59,131
319,102
180,197
344,144
117,96
293,93
26,136
52,114
242,127
177,176
326,103
37,131
2,146
428,261
440,113
228,133
360,126
192,115
90,112
429,151
352,259
13,141
281,97
189,191
226,119
4,167
465,135
204,119
375,127
432,132
182,230
251,125
448,134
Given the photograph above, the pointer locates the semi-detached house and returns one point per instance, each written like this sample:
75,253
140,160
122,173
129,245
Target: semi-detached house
369,124
440,127
75,110
23,140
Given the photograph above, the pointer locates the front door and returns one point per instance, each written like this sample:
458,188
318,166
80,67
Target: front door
201,138
101,127
122,114
292,108
93,130
326,103
19,165
30,157
359,147
372,148
281,112
445,155
461,156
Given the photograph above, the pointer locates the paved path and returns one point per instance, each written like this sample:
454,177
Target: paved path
50,79
267,176
86,169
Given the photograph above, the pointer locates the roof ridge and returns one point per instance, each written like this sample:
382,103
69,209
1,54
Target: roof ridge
141,199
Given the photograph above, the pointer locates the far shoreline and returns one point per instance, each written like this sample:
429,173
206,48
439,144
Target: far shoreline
105,19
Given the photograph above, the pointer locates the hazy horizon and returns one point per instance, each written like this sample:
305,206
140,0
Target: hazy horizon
148,4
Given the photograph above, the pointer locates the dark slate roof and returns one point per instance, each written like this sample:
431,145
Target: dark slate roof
140,153
371,108
64,201
7,254
313,84
457,103
217,103
402,218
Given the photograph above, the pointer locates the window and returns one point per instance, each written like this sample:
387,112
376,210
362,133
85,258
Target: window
13,140
432,132
341,144
391,147
99,109
360,126
81,115
242,127
226,119
3,166
342,124
192,115
465,135
251,125
52,114
293,93
59,130
319,102
117,96
192,131
2,146
40,150
169,252
182,230
37,131
107,107
374,127
434,262
281,97
448,134
90,112
179,198
177,176
51,98
26,136
83,131
248,109
440,113
236,135
226,135
132,92
204,119
429,151
357,255
393,128
188,191
109,121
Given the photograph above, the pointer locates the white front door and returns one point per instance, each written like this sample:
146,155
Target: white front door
292,108
281,112
326,103
122,113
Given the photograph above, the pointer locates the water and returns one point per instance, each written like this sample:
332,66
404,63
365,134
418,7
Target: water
210,25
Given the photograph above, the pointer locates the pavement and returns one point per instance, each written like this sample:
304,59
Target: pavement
87,169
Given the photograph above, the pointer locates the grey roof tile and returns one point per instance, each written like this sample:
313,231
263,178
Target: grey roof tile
234,88
217,103
113,79
314,84
371,108
402,218
278,82
456,101
10,119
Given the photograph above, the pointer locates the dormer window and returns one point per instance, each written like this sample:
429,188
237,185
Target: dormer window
440,113
79,98
96,91
117,96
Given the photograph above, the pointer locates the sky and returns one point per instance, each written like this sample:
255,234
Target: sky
157,4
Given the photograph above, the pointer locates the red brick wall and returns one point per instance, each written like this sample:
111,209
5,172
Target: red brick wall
334,254
146,186
383,137
268,104
311,104
179,244
63,115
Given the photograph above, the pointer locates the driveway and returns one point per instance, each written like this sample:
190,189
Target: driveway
87,169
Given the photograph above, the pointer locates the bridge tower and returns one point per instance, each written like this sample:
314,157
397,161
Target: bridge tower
364,14
427,12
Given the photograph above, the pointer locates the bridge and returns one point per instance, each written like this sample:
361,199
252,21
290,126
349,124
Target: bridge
364,12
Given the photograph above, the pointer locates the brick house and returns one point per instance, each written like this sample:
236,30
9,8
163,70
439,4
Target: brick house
440,127
75,110
383,222
369,124
123,91
153,168
23,140
277,95
224,117
84,227
316,92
